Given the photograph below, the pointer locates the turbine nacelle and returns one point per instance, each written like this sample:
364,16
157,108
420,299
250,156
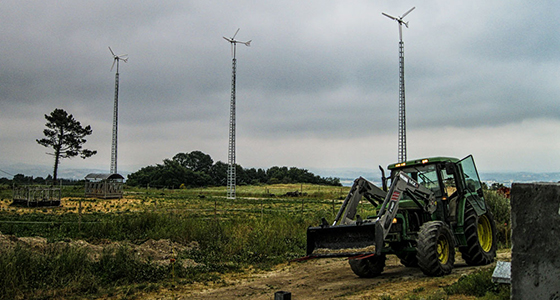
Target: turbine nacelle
234,42
400,20
116,58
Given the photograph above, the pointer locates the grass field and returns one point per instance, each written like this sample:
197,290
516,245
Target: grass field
260,228
154,238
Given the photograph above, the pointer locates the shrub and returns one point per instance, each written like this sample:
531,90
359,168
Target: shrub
501,209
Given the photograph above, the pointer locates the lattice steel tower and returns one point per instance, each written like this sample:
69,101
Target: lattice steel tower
231,175
116,59
402,110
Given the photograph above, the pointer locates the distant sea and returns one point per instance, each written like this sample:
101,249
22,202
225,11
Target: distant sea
347,176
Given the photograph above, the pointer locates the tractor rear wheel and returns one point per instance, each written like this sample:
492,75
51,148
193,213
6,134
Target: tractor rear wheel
480,232
368,267
436,249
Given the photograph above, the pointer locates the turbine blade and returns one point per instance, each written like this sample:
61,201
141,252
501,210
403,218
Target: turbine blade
227,39
123,55
235,33
388,16
111,51
406,13
114,60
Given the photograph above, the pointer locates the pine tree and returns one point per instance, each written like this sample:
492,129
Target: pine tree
65,136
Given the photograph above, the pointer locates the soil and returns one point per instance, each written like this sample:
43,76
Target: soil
325,279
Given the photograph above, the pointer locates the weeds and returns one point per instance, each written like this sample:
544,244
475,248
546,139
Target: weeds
29,274
479,284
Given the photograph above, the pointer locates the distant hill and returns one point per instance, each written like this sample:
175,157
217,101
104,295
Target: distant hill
44,171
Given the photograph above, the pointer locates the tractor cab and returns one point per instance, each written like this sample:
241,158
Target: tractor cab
449,179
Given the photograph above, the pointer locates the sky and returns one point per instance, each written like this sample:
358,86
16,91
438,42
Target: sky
317,89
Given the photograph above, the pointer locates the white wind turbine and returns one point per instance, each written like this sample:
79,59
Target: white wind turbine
402,111
116,59
231,177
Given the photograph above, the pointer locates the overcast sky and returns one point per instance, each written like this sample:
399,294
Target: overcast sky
318,88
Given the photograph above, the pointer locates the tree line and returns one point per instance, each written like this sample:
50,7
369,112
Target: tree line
66,137
197,169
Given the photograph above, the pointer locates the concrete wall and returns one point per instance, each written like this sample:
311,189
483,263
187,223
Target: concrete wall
535,263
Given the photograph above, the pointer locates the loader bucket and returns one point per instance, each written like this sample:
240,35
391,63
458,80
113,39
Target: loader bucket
344,240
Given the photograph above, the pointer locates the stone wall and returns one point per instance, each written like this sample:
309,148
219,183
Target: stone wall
535,263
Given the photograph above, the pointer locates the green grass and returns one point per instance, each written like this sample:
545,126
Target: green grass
32,275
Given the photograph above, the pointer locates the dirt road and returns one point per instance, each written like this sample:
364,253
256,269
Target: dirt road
322,279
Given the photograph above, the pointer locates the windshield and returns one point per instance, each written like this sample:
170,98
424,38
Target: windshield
425,175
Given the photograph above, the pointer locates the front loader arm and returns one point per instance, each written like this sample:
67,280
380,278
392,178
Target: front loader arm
350,235
360,188
402,183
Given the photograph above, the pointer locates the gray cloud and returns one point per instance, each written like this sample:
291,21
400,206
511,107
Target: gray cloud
322,73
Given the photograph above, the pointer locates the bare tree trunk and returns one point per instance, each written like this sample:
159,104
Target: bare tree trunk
55,171
56,162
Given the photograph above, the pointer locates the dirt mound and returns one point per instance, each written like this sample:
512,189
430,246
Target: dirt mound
160,252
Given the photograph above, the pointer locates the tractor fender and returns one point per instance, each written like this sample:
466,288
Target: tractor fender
477,203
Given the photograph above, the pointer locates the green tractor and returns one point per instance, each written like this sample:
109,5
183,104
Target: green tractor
432,206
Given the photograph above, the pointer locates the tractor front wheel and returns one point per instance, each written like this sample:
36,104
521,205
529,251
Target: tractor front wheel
368,267
480,232
436,249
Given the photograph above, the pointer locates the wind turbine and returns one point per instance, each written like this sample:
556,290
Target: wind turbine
116,59
402,111
231,177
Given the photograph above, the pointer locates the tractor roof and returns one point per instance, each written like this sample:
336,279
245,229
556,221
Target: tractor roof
423,161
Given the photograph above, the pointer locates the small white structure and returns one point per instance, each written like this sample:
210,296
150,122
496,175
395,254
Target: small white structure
104,185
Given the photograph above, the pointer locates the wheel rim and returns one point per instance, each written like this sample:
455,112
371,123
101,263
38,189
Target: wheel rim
443,250
484,230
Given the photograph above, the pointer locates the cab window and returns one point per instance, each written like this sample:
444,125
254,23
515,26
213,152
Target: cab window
427,176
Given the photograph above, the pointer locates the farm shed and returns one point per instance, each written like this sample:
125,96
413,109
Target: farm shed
104,185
